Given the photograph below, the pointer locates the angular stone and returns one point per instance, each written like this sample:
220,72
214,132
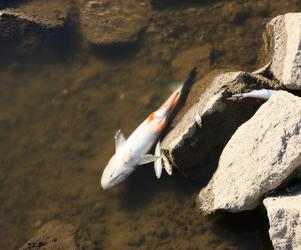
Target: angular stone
283,48
107,22
260,156
195,151
284,214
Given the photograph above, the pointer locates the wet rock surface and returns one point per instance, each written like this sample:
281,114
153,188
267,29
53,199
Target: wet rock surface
284,214
260,156
53,236
195,151
282,41
105,22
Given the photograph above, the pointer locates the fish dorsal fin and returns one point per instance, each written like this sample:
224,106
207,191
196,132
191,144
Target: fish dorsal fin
119,140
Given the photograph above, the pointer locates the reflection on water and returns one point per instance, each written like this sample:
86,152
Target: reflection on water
58,118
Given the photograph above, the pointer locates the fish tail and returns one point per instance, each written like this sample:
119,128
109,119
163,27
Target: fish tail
172,100
189,81
181,92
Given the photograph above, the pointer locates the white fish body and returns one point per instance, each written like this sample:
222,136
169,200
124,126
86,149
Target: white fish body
132,152
259,94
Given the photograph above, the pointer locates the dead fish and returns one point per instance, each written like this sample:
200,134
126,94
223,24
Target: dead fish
133,152
258,94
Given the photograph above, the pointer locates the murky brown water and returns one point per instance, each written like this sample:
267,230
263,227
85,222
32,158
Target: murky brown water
58,118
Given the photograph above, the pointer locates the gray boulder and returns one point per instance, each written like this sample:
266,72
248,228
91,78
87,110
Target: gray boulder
260,156
284,214
108,22
195,151
283,49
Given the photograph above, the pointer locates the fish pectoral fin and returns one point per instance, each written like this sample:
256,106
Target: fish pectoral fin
161,162
119,140
144,159
158,165
166,164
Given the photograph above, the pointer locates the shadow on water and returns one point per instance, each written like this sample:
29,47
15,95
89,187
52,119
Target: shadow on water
140,188
40,45
244,230
143,186
115,52
244,224
176,4
118,51
199,159
10,4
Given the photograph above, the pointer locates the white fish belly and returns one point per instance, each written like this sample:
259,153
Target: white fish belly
142,140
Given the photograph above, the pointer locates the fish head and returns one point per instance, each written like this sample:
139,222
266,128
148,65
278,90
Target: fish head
115,172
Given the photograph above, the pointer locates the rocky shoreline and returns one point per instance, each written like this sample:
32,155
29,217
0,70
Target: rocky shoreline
260,151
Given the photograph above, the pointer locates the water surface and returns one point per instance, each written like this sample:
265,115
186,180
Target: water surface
59,113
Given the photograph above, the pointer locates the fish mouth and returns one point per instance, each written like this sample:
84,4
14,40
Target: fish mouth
114,181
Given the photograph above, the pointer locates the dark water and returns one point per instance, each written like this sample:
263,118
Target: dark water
60,110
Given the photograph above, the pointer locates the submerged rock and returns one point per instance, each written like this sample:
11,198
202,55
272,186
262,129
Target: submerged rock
33,27
284,214
260,156
106,22
53,235
45,14
195,151
283,49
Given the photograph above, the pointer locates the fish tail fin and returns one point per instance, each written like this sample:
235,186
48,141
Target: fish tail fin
181,92
166,164
189,81
171,101
177,96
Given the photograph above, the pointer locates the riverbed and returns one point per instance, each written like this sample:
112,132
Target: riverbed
59,112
